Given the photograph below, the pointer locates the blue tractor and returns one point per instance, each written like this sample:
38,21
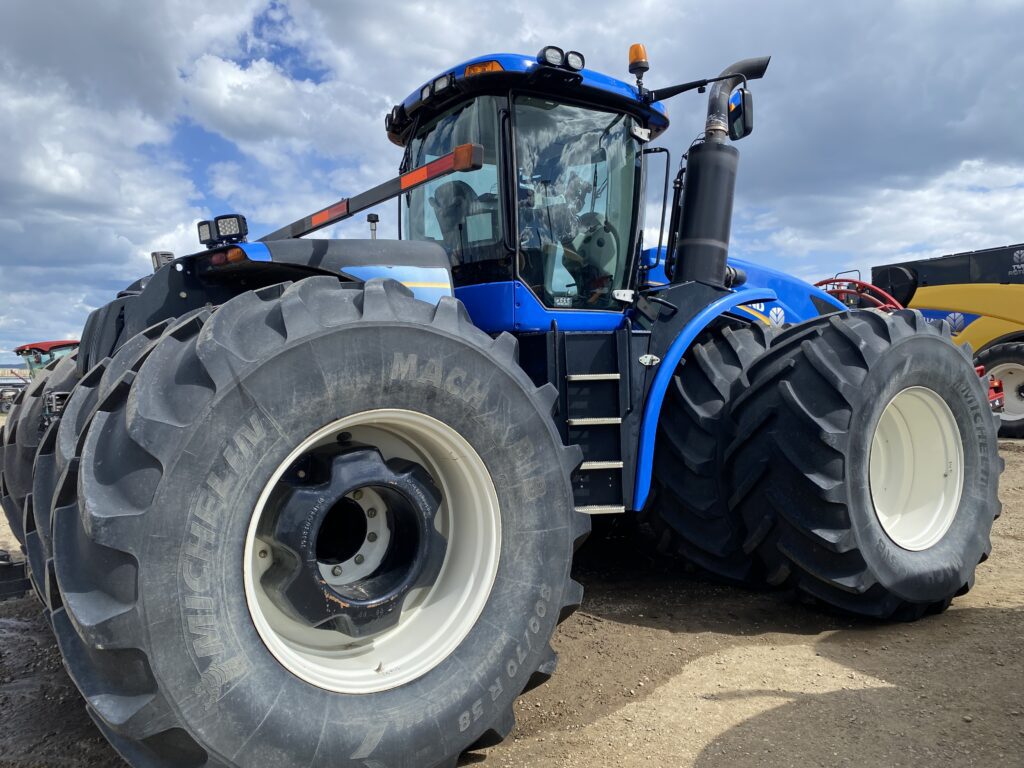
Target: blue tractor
315,501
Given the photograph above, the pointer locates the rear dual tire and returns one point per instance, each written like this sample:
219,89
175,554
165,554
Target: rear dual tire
156,628
865,464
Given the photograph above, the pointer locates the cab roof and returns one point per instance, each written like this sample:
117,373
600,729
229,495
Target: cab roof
45,346
519,71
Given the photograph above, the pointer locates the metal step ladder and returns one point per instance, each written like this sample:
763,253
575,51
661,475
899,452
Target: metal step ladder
594,403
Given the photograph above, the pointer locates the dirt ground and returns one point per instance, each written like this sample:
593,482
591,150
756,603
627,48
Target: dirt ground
662,670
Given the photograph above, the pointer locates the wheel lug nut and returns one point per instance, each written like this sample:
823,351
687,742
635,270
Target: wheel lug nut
263,553
336,570
359,559
357,495
371,512
371,536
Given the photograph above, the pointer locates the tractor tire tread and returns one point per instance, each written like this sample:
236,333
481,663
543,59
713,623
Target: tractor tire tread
689,512
788,466
100,626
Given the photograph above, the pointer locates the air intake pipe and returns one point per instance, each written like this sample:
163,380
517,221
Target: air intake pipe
704,216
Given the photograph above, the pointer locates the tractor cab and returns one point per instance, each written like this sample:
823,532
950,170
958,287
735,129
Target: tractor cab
552,211
40,354
522,191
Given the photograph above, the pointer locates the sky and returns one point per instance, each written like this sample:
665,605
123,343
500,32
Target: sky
884,130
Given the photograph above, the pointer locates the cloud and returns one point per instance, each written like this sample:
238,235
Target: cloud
968,204
884,130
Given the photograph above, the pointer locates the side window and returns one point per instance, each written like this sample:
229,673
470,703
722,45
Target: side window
461,212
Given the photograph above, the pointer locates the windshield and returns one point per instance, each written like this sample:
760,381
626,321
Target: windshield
577,174
461,212
37,360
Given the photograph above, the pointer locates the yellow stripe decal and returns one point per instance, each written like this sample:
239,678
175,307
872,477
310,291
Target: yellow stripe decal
763,318
426,285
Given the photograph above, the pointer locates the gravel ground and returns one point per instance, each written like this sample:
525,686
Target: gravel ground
663,670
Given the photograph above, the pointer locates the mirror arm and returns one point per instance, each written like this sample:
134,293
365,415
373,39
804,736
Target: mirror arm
673,90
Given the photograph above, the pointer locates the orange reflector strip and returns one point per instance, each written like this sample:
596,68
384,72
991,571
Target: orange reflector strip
337,210
483,67
428,171
465,157
412,178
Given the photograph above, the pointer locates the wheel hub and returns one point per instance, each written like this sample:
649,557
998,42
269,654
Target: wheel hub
916,468
430,621
1012,376
350,537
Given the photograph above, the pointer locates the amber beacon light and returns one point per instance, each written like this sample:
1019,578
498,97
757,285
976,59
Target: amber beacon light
638,63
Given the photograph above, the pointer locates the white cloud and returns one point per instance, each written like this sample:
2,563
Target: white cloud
979,204
881,131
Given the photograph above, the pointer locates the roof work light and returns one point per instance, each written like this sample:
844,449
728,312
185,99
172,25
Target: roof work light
231,228
551,55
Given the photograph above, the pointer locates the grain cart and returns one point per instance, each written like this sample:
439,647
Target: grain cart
315,502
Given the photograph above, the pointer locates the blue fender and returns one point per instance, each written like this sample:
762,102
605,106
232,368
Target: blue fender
663,377
796,300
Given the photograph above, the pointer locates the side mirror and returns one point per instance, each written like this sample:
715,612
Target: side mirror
741,114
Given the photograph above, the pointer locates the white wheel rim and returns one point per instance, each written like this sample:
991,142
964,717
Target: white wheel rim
1012,375
434,619
916,468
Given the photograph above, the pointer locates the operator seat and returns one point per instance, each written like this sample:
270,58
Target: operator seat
453,202
598,245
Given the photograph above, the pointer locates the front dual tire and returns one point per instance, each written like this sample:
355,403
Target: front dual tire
188,653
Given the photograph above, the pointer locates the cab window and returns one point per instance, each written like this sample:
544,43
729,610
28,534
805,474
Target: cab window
461,212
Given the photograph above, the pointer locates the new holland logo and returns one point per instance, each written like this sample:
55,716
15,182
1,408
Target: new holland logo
1017,268
956,321
777,315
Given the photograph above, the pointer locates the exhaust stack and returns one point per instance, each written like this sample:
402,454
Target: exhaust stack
701,239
